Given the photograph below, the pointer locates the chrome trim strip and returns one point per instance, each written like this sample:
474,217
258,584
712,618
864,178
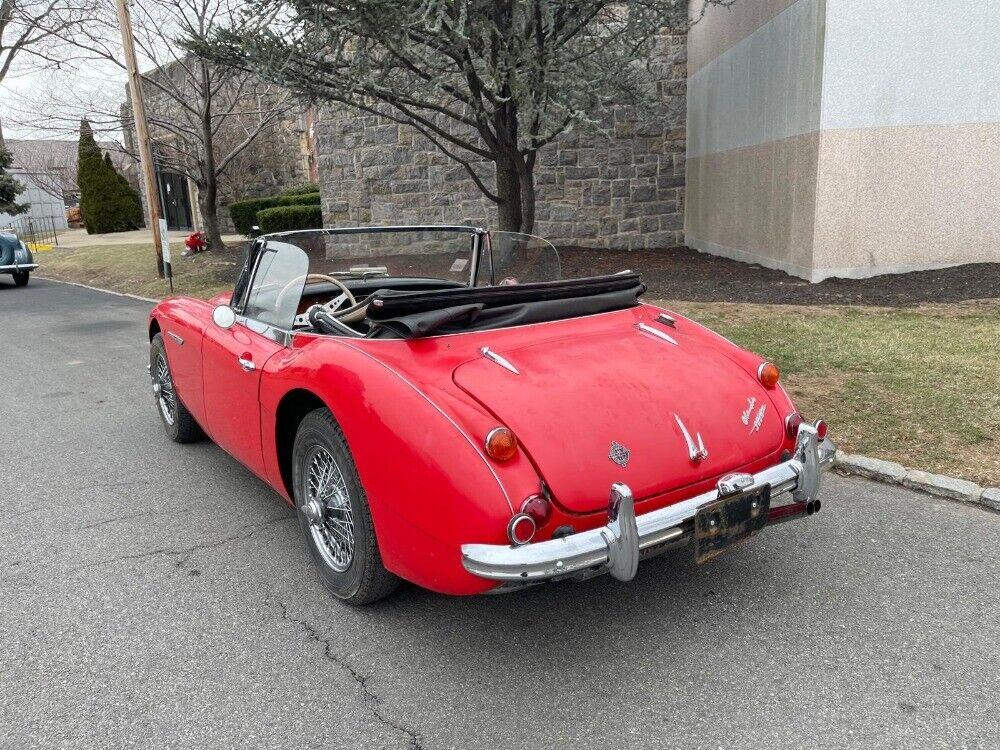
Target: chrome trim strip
176,338
600,550
492,356
654,332
667,320
695,452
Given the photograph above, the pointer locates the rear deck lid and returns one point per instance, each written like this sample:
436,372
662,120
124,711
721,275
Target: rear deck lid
613,407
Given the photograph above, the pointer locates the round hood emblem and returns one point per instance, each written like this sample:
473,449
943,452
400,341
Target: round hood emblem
619,454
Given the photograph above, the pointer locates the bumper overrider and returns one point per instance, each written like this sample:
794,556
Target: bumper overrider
616,547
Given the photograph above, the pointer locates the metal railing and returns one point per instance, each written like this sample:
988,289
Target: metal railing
35,232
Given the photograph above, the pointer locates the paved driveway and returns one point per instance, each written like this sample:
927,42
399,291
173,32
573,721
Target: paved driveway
155,595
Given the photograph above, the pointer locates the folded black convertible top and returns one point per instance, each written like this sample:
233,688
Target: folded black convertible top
389,303
414,314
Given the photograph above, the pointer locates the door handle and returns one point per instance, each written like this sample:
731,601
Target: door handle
247,364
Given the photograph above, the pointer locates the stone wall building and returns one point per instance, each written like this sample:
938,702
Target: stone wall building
622,190
820,137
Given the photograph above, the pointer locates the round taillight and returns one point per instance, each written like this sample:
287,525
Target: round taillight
768,374
792,422
521,529
820,429
538,508
501,445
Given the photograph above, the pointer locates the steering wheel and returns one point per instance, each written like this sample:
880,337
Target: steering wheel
331,306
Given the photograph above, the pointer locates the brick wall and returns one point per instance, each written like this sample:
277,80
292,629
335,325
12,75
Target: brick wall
621,189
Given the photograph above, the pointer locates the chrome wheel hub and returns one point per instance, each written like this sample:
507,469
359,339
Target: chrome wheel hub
313,511
163,389
327,509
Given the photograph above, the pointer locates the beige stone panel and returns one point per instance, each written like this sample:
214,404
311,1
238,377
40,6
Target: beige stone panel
756,203
722,28
901,198
800,196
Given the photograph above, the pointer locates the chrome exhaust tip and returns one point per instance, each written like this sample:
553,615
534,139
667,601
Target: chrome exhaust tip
810,507
816,506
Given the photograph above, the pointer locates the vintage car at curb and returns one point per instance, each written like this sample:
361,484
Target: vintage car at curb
439,406
15,259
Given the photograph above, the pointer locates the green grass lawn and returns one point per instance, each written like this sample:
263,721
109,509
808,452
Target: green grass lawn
919,386
132,269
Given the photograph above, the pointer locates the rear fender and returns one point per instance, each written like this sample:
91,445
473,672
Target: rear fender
429,486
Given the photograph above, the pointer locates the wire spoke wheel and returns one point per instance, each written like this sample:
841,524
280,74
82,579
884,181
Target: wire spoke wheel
163,388
327,506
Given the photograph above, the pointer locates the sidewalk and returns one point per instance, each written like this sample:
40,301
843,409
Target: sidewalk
80,238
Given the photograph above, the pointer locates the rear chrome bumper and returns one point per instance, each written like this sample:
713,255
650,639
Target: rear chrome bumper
616,547
18,267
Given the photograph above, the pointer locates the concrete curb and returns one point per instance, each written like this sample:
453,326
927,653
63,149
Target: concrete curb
938,485
98,289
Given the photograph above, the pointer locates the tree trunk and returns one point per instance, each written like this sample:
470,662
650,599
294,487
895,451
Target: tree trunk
207,200
509,192
526,178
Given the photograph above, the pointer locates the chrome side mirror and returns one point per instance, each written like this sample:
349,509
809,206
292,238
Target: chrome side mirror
223,316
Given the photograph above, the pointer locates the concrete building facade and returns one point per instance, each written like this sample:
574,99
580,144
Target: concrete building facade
845,138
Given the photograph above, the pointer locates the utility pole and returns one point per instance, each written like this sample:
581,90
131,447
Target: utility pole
141,130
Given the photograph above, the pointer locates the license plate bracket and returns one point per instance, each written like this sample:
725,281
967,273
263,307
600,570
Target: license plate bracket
722,523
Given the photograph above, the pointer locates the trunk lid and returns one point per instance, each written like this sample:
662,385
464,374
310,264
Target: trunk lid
575,397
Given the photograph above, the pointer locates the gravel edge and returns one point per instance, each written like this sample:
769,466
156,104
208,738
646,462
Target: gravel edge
938,485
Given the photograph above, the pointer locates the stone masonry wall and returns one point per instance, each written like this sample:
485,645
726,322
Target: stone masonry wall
621,189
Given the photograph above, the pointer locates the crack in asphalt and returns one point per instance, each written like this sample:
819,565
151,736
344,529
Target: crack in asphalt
185,553
369,697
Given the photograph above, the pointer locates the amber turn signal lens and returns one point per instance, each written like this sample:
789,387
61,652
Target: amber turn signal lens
768,374
501,445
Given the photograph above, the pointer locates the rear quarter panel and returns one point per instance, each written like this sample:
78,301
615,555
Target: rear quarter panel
428,487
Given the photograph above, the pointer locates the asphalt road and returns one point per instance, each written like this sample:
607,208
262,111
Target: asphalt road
155,595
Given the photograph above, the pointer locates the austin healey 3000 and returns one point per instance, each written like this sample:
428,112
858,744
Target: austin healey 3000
440,406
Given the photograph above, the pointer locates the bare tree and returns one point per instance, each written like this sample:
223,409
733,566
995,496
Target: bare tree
34,31
483,80
202,115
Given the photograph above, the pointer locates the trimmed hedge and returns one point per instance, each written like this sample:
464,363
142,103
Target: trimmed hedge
288,218
245,213
309,187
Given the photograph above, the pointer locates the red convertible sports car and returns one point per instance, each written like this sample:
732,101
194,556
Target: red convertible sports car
440,406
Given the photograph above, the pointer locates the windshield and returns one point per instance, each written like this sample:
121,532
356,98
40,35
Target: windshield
446,254
368,281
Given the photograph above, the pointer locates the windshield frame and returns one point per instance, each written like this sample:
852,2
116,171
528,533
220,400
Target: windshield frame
244,281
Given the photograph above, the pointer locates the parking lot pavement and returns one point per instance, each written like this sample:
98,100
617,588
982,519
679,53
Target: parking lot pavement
155,595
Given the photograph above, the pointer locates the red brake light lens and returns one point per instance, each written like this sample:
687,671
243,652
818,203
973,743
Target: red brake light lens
538,508
501,444
792,422
521,529
821,429
768,374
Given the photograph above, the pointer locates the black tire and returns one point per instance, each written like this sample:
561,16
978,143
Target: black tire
181,426
20,278
365,579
